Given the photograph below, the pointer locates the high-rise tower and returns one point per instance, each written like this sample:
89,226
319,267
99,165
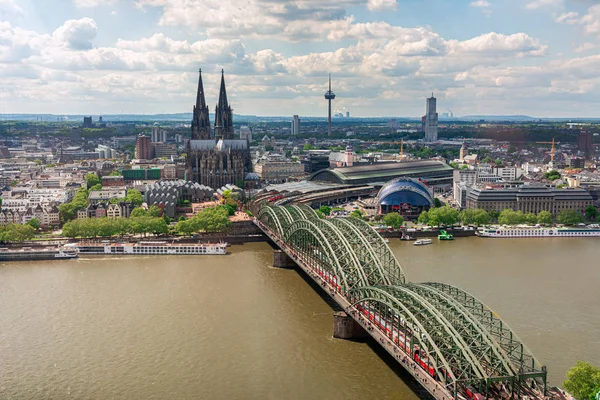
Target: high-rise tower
329,95
200,119
431,120
223,114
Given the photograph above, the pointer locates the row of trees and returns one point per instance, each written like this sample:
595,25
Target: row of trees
80,200
214,219
16,233
449,216
107,227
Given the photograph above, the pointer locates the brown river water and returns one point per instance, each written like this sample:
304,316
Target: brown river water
233,327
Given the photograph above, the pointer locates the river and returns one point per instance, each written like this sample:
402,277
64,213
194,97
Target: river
233,327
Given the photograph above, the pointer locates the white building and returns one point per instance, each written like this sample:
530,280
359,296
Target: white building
508,173
296,125
431,120
105,152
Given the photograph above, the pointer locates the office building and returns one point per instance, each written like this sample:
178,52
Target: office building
431,120
528,198
296,125
143,148
584,144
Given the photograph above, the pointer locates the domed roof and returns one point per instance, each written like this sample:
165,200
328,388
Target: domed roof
404,190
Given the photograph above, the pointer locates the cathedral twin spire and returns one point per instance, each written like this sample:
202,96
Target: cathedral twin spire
223,115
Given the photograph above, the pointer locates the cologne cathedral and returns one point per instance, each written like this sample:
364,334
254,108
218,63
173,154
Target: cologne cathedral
215,158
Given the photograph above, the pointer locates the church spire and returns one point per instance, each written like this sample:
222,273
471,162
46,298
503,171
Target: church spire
200,100
223,114
222,92
200,119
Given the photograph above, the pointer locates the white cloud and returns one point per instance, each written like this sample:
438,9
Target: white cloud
534,5
480,3
77,33
382,5
9,9
567,18
591,20
586,47
93,3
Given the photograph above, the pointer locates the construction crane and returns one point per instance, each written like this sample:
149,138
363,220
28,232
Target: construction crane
401,143
551,151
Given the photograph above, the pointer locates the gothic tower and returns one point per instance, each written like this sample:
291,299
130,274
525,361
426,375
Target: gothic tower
200,120
223,114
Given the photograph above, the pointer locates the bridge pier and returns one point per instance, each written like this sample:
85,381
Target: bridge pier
281,260
345,327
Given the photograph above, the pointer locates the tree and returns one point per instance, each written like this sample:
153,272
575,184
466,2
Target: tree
66,212
552,175
545,218
494,215
155,211
583,381
569,217
97,186
91,179
394,220
423,218
356,214
511,217
531,218
591,212
308,147
437,203
134,196
326,210
474,217
16,233
116,173
138,212
34,223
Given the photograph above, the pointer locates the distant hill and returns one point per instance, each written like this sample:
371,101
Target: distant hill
497,118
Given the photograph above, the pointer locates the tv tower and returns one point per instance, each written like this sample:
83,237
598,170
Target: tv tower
329,95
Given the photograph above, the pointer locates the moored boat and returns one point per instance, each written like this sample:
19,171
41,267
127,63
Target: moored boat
422,242
444,235
152,248
31,254
535,232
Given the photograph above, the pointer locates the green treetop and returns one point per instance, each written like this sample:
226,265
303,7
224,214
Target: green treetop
91,179
583,381
511,217
545,218
394,220
569,217
134,196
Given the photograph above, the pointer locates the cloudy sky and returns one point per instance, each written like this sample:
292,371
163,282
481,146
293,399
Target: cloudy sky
535,57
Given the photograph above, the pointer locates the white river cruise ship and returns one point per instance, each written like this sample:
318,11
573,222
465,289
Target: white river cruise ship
536,232
154,248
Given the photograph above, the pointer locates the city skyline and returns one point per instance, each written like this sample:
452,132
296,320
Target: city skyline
83,57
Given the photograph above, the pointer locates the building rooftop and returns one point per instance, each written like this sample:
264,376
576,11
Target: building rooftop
383,172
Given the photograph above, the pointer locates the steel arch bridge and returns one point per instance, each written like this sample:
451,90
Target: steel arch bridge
455,339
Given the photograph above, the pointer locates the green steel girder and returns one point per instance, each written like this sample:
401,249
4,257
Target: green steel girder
488,352
447,338
418,333
309,212
521,358
268,216
388,259
369,260
295,212
326,248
